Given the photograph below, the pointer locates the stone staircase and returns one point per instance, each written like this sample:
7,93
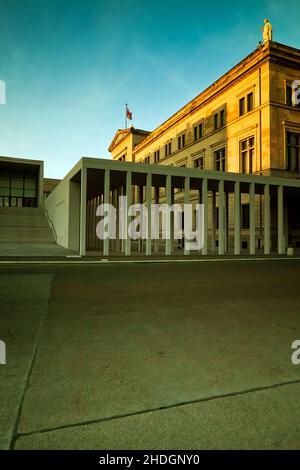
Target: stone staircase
24,224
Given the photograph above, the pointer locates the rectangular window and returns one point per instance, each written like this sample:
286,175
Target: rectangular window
168,149
247,152
147,160
219,119
181,141
288,94
220,159
242,106
216,121
16,188
199,163
4,179
198,131
293,152
222,118
156,156
250,102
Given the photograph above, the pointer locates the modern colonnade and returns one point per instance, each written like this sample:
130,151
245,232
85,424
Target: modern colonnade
208,185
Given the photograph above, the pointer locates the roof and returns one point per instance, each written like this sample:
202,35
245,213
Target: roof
122,133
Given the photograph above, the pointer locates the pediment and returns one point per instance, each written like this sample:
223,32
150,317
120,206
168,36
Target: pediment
119,135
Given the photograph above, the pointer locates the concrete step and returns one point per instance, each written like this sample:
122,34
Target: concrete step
23,221
24,225
26,234
21,211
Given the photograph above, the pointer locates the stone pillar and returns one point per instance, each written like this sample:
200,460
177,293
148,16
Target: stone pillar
149,202
213,221
123,193
252,218
280,220
226,214
237,218
156,200
106,201
168,241
186,201
205,218
118,245
221,218
266,219
83,187
127,218
140,241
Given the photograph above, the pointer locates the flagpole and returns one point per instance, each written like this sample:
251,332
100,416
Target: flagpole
126,116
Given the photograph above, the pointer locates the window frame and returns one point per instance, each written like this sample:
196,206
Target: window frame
242,109
197,159
198,131
156,155
220,161
181,141
247,163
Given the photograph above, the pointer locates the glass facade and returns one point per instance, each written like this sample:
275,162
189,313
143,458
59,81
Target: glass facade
18,189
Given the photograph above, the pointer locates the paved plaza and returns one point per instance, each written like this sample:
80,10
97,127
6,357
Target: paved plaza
150,355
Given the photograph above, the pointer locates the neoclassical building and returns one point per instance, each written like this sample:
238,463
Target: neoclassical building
243,123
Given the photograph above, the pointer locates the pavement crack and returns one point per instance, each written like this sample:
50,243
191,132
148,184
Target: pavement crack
157,409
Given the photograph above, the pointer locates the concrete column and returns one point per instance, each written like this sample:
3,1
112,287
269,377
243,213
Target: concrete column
205,217
186,201
128,219
221,218
172,219
149,202
156,201
280,220
285,225
106,201
226,212
237,218
123,193
117,222
213,221
168,245
140,241
115,204
95,239
83,186
252,218
267,219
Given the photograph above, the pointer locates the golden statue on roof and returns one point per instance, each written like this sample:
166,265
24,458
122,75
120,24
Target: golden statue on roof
267,31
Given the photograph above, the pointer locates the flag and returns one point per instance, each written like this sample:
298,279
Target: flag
128,113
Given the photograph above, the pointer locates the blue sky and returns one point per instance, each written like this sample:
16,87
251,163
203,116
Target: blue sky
71,65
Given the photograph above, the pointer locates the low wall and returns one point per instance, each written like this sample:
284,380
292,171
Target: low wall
62,206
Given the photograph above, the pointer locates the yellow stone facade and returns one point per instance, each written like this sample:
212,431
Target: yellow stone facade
257,86
239,124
